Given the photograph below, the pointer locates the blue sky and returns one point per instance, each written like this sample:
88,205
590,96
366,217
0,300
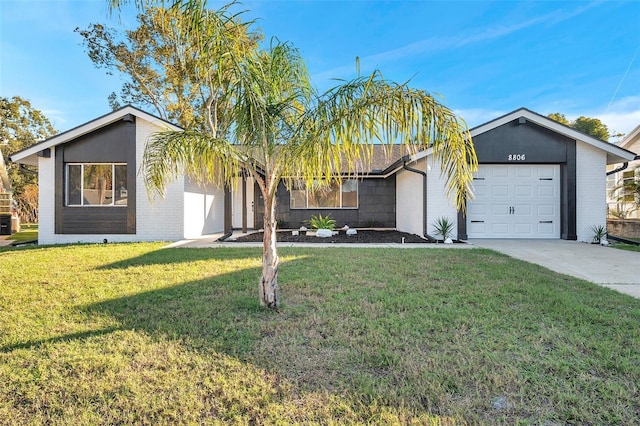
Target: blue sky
484,58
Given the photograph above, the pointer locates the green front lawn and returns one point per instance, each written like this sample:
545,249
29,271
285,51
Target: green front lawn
136,334
28,232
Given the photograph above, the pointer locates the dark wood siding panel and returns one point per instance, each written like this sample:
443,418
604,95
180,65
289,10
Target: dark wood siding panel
376,207
539,145
95,220
568,195
115,143
109,144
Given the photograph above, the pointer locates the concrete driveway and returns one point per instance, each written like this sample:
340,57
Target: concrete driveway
609,267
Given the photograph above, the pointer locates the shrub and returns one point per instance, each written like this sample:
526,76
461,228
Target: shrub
599,233
319,222
443,227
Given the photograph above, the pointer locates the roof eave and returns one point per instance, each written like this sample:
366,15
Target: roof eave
615,154
29,155
632,137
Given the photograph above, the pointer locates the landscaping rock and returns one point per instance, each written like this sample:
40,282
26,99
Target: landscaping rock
324,233
362,236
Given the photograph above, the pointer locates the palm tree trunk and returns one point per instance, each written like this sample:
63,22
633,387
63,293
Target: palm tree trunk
102,190
269,281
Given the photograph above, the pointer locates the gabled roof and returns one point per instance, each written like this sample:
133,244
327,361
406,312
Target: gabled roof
631,139
385,159
615,154
29,155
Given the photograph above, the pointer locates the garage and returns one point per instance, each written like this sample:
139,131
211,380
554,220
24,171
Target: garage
536,179
515,201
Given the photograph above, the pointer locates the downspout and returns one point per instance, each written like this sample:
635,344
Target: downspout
24,169
225,236
623,167
424,201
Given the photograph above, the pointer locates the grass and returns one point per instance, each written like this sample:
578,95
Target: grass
135,334
28,232
628,247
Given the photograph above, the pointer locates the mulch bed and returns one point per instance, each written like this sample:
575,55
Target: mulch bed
364,236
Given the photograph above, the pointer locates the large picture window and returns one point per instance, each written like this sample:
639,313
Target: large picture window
335,196
96,185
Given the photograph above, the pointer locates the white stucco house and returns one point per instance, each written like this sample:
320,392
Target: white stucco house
537,179
624,207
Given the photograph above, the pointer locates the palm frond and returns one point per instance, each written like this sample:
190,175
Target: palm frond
205,159
348,119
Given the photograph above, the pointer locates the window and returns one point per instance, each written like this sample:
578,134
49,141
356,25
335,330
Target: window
335,196
611,182
96,185
628,178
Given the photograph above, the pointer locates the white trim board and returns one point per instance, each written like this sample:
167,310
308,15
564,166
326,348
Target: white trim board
29,155
615,154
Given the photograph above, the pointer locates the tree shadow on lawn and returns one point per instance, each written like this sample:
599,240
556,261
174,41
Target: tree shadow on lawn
220,311
331,337
168,256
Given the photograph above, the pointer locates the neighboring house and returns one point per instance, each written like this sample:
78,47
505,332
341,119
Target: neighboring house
537,179
5,184
5,199
625,207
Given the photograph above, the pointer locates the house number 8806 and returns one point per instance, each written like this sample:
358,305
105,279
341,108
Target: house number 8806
516,157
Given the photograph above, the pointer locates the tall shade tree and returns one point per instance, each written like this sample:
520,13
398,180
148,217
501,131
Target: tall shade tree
282,130
592,126
165,69
22,125
588,125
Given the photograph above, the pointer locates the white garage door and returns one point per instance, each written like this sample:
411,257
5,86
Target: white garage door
512,201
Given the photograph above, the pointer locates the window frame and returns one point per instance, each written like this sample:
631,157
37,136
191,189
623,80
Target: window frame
307,196
82,186
628,196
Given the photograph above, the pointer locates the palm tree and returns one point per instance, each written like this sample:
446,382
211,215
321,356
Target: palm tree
281,129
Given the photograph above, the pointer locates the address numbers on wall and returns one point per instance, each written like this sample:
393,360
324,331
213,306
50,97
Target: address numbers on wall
516,157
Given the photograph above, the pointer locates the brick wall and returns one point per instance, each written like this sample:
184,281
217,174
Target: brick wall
160,219
46,199
591,191
627,228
